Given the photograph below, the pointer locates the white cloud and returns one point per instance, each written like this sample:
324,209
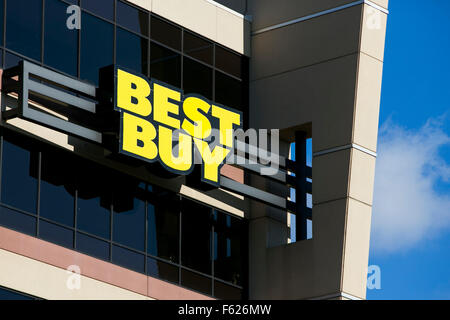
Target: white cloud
407,208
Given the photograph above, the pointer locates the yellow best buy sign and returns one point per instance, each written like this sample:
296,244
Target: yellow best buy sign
159,123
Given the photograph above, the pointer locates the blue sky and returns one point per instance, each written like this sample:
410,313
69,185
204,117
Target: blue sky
411,215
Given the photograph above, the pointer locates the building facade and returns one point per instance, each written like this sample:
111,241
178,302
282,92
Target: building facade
80,221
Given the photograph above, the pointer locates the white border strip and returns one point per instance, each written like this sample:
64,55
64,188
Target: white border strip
229,10
318,14
337,295
348,146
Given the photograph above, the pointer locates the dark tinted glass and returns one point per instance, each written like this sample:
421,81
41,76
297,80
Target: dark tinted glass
162,270
6,294
229,62
129,218
19,172
226,292
94,199
229,248
92,246
57,189
196,236
197,78
196,282
1,20
163,225
229,91
17,221
61,43
198,48
132,51
11,60
56,234
132,18
96,46
23,27
103,8
165,65
128,259
165,33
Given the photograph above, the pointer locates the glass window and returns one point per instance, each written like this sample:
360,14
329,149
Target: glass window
132,51
1,20
165,65
198,48
92,246
96,46
57,188
56,234
162,270
226,292
93,199
163,225
197,78
18,221
6,294
128,259
196,236
11,60
103,8
132,18
229,62
23,27
60,43
165,33
19,177
129,216
229,248
229,91
196,282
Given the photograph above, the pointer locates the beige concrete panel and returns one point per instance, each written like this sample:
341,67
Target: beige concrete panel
145,4
373,32
306,43
362,176
290,270
48,282
331,176
231,30
333,101
368,97
197,15
356,251
266,13
328,230
323,94
381,3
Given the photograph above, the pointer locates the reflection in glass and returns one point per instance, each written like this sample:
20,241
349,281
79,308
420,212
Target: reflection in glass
196,236
92,246
196,282
23,27
19,177
162,270
57,190
132,18
132,51
103,8
96,46
165,33
61,43
18,221
56,234
197,78
229,91
165,65
198,48
163,225
128,259
229,62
